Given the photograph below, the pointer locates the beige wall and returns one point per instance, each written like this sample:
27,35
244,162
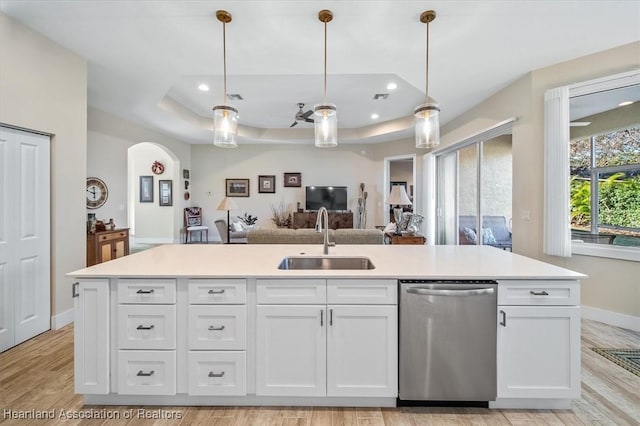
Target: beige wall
524,99
44,88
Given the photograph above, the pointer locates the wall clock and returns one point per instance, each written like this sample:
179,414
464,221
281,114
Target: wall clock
97,193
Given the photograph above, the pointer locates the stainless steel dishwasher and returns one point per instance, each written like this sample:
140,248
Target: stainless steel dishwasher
447,340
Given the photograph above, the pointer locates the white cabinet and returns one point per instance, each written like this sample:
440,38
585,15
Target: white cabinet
362,350
291,350
538,341
91,336
327,350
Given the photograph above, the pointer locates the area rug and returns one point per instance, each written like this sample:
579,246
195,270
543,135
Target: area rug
629,359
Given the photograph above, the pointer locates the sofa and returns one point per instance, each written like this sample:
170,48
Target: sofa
495,231
310,236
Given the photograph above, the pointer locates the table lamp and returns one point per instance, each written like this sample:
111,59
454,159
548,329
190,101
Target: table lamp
398,197
227,204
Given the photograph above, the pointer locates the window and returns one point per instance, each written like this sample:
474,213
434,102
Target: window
605,187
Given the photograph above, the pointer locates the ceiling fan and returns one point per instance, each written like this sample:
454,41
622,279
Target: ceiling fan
302,116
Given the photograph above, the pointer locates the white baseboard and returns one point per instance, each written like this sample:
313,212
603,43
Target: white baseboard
612,318
60,320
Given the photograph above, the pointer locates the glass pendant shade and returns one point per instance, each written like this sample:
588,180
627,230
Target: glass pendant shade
427,125
225,126
325,119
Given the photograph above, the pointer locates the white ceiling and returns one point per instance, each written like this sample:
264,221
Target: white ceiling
146,58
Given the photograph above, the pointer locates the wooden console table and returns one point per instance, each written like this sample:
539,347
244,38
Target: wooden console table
107,245
336,220
408,239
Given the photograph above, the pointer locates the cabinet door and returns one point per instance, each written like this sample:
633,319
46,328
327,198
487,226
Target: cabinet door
106,251
362,351
291,350
91,337
119,249
538,352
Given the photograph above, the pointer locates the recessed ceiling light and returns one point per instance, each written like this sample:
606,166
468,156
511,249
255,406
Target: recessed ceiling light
380,96
374,116
625,103
392,86
203,87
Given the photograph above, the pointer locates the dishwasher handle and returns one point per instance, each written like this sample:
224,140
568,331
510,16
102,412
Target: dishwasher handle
464,292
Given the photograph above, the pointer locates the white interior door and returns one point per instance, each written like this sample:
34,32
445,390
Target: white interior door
24,236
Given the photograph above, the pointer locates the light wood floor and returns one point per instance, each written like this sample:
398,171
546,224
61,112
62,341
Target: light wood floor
38,375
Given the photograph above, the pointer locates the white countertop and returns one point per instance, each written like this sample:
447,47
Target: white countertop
390,261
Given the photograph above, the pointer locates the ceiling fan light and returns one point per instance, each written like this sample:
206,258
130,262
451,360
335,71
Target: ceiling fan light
325,123
427,124
225,126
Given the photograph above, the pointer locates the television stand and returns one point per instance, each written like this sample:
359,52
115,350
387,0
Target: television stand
336,220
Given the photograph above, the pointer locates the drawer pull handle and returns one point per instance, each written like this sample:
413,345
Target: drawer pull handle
216,291
143,374
212,374
539,293
141,291
214,328
142,327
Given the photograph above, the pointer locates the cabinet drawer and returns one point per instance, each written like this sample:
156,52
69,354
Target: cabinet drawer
112,236
362,292
217,327
530,292
146,291
219,291
217,373
147,372
291,291
146,327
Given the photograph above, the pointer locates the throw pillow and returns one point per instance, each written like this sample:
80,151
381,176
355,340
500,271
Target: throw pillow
470,235
488,237
236,227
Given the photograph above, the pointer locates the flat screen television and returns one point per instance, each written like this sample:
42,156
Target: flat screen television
331,197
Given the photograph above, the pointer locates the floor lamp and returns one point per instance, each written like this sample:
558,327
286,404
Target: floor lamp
228,204
398,197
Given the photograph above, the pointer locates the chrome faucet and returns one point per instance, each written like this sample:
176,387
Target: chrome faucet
324,213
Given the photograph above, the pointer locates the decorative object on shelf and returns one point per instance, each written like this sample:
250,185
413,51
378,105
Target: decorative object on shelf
225,117
97,193
146,189
185,174
267,184
292,180
427,115
227,204
279,216
166,192
415,223
237,188
110,225
362,207
157,168
325,114
398,197
247,219
100,226
186,185
91,223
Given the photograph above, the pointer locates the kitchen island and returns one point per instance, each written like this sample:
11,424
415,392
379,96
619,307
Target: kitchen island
223,325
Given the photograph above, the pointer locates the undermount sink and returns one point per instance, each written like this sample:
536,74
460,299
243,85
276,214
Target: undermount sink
331,262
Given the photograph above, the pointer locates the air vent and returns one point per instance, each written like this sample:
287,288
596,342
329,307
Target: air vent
382,96
234,97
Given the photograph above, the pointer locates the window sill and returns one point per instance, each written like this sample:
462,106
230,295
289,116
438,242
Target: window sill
603,250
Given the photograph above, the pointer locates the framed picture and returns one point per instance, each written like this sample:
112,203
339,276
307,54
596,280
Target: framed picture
267,184
146,189
292,179
166,196
185,174
237,187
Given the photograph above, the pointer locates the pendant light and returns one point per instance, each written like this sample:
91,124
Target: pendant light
225,117
325,114
427,122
